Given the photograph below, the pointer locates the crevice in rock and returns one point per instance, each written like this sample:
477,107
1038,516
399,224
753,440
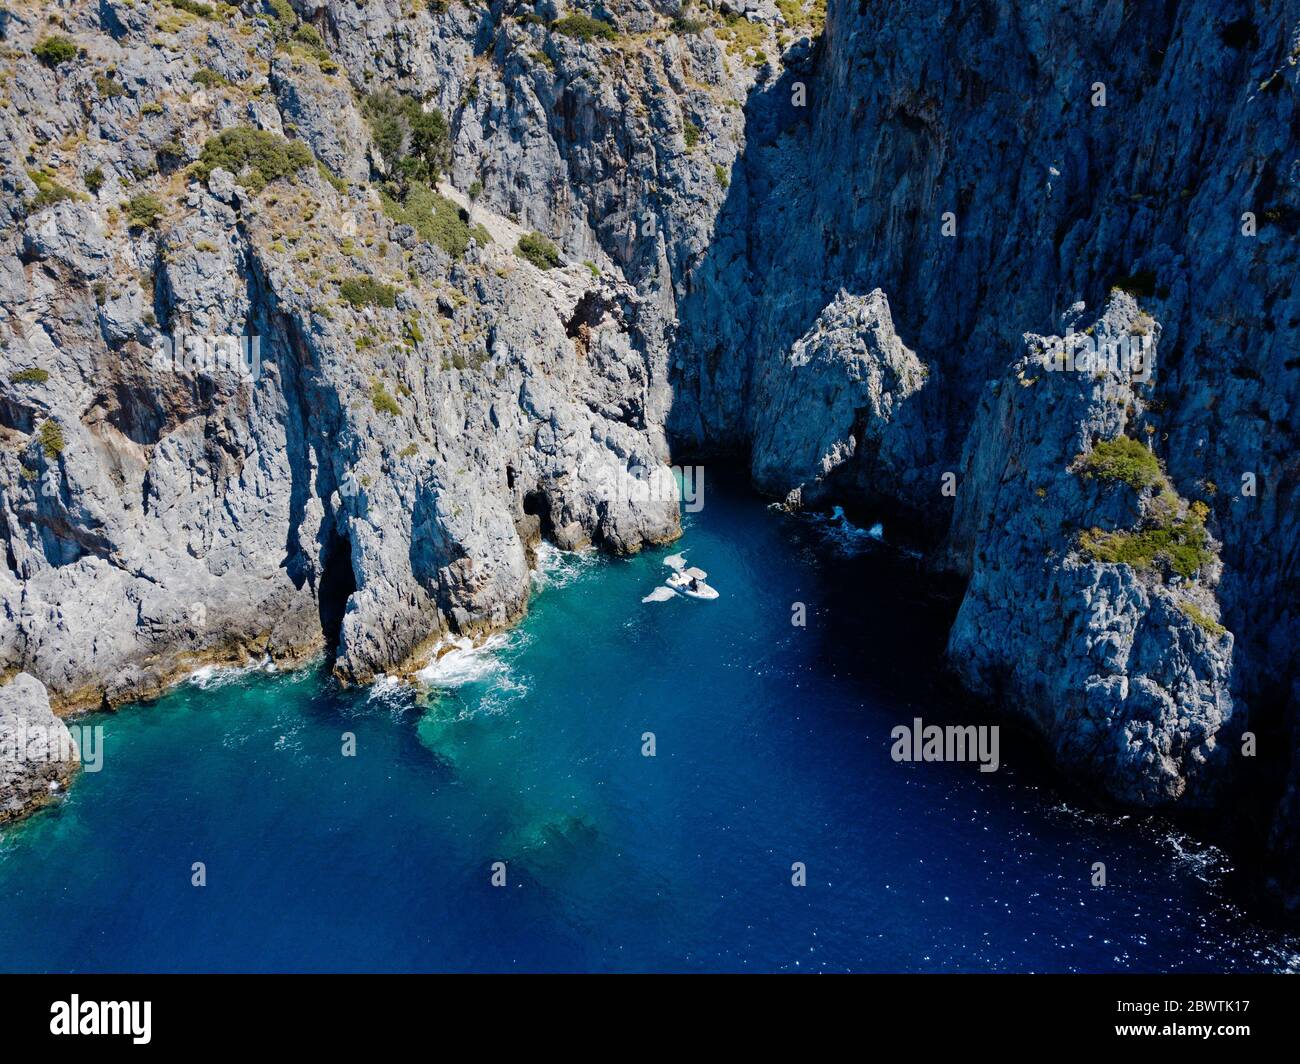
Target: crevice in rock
16,416
537,504
336,586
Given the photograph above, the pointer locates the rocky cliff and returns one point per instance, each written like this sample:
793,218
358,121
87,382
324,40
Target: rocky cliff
37,753
502,261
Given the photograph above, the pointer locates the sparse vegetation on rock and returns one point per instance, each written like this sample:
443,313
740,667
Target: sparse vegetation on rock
48,191
255,156
383,401
436,218
51,439
1178,544
584,27
1122,458
55,50
539,251
144,211
366,291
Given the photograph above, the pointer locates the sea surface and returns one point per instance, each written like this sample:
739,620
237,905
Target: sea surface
771,748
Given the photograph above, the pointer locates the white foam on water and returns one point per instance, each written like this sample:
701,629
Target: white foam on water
1203,860
457,662
505,691
559,568
843,534
211,677
390,692
660,594
290,739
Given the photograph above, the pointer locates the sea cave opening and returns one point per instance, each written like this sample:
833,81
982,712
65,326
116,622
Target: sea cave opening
337,583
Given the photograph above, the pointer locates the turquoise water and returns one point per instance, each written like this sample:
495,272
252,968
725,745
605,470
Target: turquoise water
772,746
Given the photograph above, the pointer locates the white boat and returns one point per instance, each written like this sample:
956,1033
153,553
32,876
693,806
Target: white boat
684,580
685,583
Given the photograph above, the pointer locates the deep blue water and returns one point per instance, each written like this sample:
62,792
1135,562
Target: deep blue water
772,747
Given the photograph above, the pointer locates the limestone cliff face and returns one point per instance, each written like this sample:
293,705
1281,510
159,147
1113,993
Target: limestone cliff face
840,251
1137,689
840,400
990,168
391,460
37,754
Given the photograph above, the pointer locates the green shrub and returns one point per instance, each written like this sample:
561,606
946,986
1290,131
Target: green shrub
691,134
51,439
55,50
383,402
792,12
584,27
255,156
107,87
1180,545
338,183
436,218
539,251
307,38
171,153
309,35
741,34
1203,619
415,144
282,11
720,172
143,211
94,179
210,79
30,376
363,291
48,191
683,24
194,7
1123,459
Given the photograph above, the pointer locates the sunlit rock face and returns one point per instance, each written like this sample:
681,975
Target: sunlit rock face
37,754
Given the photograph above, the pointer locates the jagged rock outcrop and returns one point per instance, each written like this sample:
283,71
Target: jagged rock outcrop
839,404
1135,693
37,754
